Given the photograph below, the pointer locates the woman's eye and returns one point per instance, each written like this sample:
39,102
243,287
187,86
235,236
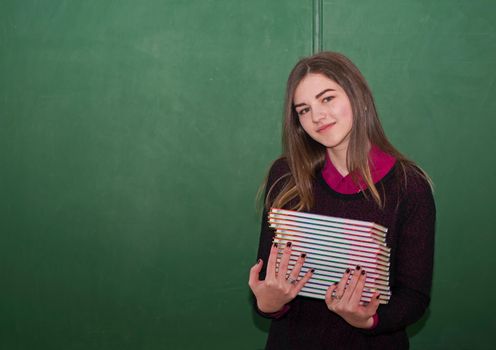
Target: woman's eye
303,111
327,98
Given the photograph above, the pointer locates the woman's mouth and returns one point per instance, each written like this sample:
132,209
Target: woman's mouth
325,127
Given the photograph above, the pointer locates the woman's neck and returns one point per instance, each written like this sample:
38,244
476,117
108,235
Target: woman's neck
338,156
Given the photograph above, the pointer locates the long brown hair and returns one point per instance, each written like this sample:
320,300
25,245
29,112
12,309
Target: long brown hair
305,157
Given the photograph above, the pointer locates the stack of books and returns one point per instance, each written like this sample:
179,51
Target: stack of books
332,245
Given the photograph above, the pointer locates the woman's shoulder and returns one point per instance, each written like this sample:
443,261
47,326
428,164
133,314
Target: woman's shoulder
277,177
413,180
278,169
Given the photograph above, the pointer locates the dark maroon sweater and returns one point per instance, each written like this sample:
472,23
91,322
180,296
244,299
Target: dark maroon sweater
409,214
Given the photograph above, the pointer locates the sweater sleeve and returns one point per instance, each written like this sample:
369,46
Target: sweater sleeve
414,260
275,178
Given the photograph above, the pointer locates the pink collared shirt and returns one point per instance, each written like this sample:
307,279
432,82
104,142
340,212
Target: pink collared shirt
380,164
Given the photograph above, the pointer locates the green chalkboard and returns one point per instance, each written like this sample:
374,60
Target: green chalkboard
134,136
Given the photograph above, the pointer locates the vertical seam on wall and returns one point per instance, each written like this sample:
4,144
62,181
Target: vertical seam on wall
317,26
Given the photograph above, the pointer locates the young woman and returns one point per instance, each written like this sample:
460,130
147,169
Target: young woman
337,161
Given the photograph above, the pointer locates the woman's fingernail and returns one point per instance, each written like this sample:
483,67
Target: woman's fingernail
312,270
363,272
335,283
377,297
288,244
275,244
358,268
303,255
259,261
348,270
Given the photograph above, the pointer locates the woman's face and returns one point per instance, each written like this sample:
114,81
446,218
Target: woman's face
324,111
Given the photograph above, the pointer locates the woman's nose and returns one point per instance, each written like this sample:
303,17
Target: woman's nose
318,114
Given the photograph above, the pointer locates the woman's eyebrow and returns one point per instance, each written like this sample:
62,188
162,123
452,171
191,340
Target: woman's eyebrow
323,92
316,96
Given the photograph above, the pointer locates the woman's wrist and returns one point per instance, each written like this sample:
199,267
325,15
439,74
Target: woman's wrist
269,308
372,322
375,321
366,324
277,314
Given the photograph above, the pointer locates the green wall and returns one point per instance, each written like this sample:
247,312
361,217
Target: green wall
134,136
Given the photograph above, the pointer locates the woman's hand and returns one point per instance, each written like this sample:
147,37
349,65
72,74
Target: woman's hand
345,300
279,287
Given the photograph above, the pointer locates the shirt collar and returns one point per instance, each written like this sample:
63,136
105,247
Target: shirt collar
380,164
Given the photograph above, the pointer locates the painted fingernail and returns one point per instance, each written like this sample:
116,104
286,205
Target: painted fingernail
288,244
363,272
335,283
348,270
275,244
312,270
377,297
259,261
303,255
358,268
